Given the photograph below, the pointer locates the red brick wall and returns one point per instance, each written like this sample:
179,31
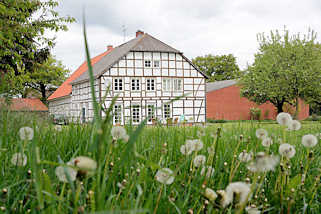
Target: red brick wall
227,104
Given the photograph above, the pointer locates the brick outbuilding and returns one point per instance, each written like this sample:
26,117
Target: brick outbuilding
223,101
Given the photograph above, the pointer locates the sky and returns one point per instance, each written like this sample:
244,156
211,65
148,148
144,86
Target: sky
194,27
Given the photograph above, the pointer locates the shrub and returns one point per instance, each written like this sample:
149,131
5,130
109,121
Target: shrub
255,113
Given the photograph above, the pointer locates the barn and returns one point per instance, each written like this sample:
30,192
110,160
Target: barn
223,101
146,75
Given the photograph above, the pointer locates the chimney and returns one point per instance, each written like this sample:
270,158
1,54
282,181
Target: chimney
109,47
139,33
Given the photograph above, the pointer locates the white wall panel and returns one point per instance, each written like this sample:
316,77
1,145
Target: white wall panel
130,55
138,72
138,63
122,63
138,55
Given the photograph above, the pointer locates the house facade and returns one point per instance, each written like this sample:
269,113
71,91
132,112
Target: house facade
224,101
146,75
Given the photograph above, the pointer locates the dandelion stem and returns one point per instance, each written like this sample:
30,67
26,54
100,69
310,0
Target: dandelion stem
158,199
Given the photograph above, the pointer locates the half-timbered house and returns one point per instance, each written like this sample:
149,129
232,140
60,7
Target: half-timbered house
145,74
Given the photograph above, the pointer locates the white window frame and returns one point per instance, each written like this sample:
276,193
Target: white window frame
117,81
135,84
156,63
147,63
167,115
150,112
167,84
134,113
118,114
175,84
150,84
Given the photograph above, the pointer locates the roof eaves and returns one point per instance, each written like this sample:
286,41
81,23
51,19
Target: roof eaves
194,66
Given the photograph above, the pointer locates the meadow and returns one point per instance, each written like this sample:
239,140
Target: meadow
124,172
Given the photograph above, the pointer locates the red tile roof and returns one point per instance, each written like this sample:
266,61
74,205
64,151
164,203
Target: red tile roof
65,88
25,104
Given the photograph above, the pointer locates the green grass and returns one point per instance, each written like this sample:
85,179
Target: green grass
41,191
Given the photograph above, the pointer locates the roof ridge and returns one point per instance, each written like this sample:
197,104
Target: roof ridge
139,40
164,43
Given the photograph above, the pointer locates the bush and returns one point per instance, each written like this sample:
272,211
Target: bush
255,113
216,121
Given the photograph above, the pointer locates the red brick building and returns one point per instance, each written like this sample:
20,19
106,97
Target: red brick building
24,105
223,101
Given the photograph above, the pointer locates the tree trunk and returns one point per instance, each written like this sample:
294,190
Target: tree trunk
296,114
43,93
279,107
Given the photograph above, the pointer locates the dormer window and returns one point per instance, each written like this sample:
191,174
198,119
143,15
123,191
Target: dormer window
148,63
156,64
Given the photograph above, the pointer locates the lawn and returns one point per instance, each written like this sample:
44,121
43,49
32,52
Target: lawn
148,173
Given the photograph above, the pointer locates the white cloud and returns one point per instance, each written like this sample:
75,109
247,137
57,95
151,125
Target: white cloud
193,27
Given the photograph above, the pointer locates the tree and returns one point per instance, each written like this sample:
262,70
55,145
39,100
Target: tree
45,76
286,68
23,42
217,67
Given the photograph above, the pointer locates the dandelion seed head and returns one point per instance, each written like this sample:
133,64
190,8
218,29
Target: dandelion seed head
245,157
287,150
252,210
240,189
210,150
165,176
119,132
309,140
294,125
284,118
199,160
210,194
198,145
186,149
61,173
224,200
261,133
19,159
267,142
84,164
263,163
26,133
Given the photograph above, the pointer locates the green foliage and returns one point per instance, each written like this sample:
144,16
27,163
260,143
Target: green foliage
219,67
46,75
286,67
22,39
255,113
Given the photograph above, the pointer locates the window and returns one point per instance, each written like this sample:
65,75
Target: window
172,84
118,84
156,64
135,84
167,111
148,63
177,85
117,114
150,113
136,114
167,85
150,84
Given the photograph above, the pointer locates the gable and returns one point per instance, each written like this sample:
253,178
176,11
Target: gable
144,43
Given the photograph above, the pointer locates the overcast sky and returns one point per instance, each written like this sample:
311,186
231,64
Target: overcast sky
194,27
